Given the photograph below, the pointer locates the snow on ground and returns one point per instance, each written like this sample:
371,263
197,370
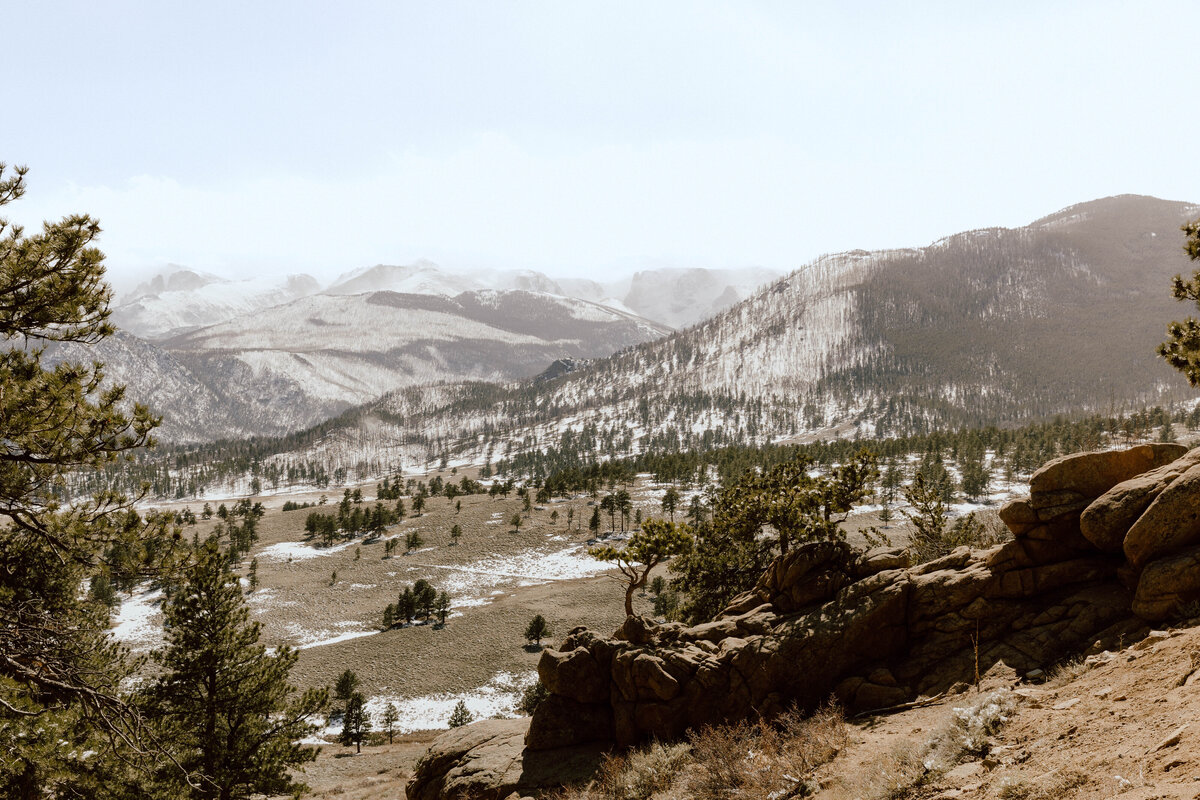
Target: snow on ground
341,637
301,551
497,698
138,623
304,638
527,568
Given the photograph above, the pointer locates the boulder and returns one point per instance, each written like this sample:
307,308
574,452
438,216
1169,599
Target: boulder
574,674
1107,520
1167,585
879,559
1090,475
488,761
1019,516
1169,524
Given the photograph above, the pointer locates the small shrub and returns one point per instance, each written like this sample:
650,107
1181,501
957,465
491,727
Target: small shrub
638,775
461,715
531,698
975,725
1049,787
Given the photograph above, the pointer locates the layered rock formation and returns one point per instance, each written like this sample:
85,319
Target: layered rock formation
1102,536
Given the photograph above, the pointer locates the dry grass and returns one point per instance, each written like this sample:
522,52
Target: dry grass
741,761
1049,787
908,770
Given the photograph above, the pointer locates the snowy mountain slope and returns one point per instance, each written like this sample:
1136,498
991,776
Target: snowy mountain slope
285,367
184,299
425,277
192,410
985,327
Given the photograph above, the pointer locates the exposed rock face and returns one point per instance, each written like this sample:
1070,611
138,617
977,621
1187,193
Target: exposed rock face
872,630
488,761
1106,521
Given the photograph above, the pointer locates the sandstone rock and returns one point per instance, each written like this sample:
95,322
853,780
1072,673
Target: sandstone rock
487,761
1169,524
1093,474
575,674
1019,516
808,574
1107,520
879,559
637,630
824,619
1167,585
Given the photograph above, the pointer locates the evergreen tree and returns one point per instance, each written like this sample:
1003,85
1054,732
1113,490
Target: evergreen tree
346,685
594,523
537,630
390,717
425,597
406,605
224,704
515,521
1182,348
670,501
356,722
442,607
929,517
455,534
657,541
461,715
59,674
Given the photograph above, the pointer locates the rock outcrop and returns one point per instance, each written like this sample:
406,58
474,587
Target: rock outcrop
488,761
1102,537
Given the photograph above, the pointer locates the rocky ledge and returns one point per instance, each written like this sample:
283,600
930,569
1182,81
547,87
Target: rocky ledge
1105,543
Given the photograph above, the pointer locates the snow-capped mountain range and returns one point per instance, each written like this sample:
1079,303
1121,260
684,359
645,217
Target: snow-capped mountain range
992,326
180,300
223,358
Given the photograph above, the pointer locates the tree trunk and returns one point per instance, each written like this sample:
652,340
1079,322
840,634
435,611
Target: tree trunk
629,599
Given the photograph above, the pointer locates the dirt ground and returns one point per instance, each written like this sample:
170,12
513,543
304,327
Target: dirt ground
1125,726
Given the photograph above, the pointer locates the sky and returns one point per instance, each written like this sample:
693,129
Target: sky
583,139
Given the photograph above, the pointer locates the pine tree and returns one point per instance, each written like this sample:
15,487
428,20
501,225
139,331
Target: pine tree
356,722
461,715
1182,348
390,717
657,541
442,606
222,701
670,501
56,422
537,630
515,521
406,605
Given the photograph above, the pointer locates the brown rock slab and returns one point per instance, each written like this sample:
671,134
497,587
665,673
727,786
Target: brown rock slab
1166,585
1107,520
488,761
1169,524
1093,474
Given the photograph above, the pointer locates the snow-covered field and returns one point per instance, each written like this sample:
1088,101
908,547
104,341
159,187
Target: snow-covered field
496,699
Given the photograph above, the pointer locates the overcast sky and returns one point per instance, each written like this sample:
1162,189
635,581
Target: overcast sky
586,139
